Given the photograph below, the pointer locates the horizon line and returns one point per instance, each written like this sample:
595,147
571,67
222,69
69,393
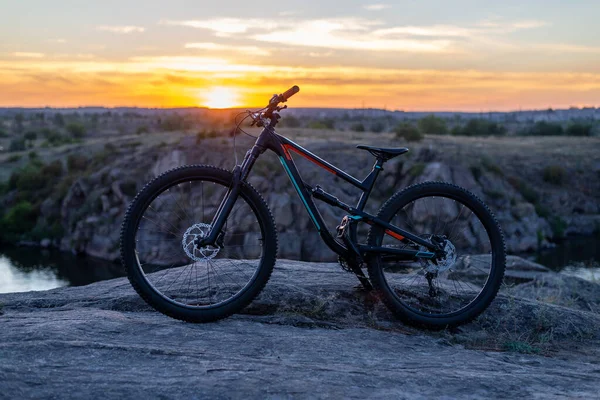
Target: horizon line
596,107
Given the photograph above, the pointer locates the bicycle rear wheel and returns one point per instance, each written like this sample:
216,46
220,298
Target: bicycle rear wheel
446,291
180,279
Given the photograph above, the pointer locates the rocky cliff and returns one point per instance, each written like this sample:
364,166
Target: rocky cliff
540,189
310,334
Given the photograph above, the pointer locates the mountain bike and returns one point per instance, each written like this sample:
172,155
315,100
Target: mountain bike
199,242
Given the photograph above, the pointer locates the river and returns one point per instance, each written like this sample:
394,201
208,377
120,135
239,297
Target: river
29,268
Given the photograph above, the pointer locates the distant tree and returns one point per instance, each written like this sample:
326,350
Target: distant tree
141,130
408,132
3,133
432,124
289,121
479,127
30,136
326,123
543,128
59,120
76,130
94,120
579,129
19,118
17,145
357,127
377,127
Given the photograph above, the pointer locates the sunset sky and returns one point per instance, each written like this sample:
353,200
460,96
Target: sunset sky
410,55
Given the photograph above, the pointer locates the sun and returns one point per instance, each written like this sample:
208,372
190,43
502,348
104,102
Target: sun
220,97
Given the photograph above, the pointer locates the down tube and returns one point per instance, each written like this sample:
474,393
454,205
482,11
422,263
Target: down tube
300,194
316,218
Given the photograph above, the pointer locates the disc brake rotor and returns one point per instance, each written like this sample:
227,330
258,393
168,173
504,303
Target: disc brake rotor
443,263
199,230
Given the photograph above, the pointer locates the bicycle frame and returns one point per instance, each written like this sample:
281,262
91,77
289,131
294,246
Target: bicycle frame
282,146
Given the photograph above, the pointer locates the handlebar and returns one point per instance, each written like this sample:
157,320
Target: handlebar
289,93
273,107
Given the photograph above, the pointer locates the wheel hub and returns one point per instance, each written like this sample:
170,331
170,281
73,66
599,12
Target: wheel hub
444,263
195,253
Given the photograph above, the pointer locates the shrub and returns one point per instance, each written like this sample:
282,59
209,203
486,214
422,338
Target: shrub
357,127
19,219
579,129
141,130
173,123
76,162
408,132
488,164
479,127
554,174
17,145
31,136
33,155
206,134
291,122
52,170
14,158
326,123
76,130
28,178
558,226
3,133
527,192
55,138
543,128
432,124
416,170
377,127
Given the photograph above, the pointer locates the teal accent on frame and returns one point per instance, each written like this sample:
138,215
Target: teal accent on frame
356,217
314,220
425,254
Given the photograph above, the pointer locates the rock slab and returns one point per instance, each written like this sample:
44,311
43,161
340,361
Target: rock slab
310,334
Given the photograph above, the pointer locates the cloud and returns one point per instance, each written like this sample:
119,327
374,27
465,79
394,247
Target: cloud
361,34
121,29
225,26
432,31
59,41
209,46
376,7
352,34
25,54
501,26
569,48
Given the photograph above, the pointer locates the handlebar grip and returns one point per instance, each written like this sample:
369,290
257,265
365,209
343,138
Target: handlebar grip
290,92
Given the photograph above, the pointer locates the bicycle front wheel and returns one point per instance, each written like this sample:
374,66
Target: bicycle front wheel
444,291
180,279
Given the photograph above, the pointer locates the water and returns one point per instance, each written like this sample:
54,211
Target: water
24,269
578,256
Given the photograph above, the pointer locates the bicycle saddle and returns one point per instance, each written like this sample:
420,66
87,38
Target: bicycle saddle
383,153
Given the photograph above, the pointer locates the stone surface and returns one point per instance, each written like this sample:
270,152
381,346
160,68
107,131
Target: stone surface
310,334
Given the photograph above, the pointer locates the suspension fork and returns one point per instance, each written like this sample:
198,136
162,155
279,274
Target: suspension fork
240,173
